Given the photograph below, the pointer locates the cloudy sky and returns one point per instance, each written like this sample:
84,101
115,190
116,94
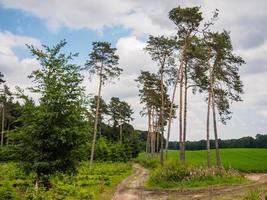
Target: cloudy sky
127,24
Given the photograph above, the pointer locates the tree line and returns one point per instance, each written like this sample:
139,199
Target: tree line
260,141
196,59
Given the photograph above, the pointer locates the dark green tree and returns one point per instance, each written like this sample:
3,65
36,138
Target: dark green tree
103,62
121,113
54,132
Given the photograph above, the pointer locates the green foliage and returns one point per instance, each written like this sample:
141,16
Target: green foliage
54,132
120,111
255,195
147,160
84,185
111,151
175,174
103,61
8,193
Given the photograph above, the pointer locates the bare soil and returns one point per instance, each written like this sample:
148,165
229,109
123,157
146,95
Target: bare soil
132,188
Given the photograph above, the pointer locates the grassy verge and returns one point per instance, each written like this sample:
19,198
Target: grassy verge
176,175
98,184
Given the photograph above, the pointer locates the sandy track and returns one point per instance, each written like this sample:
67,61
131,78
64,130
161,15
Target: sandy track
132,188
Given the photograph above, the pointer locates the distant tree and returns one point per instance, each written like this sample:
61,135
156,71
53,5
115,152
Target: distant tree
53,134
161,50
187,21
121,113
149,92
102,61
149,85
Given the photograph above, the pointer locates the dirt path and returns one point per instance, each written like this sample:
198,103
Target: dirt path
132,188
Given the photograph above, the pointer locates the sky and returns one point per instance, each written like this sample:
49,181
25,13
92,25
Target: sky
126,24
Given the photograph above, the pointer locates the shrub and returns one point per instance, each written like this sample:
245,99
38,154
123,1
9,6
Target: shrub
175,174
170,172
147,161
7,192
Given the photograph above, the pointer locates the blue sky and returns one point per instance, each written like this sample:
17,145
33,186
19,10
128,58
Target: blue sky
127,24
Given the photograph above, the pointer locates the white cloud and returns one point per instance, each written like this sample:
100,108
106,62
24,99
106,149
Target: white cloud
15,69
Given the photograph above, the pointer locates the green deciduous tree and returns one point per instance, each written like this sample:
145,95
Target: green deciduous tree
54,132
121,113
103,62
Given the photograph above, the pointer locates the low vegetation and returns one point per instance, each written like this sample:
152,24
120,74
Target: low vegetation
176,175
99,183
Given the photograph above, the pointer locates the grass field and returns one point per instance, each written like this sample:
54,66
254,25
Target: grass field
245,160
242,159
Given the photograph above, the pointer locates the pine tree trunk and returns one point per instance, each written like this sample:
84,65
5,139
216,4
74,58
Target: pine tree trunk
181,115
208,132
162,115
148,140
170,114
96,118
185,111
218,157
153,138
120,132
3,125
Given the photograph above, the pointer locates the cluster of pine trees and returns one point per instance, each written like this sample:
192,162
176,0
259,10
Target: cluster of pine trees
197,59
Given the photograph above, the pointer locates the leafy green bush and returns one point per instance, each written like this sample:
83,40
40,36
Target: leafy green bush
147,161
175,174
108,151
170,172
8,193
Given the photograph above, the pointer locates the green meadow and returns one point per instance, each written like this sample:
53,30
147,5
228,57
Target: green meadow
242,159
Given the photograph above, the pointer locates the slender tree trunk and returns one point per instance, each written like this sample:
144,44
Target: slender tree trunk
157,140
121,132
208,132
181,114
99,124
218,157
7,134
3,125
162,114
185,111
153,137
208,111
96,118
148,144
170,114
